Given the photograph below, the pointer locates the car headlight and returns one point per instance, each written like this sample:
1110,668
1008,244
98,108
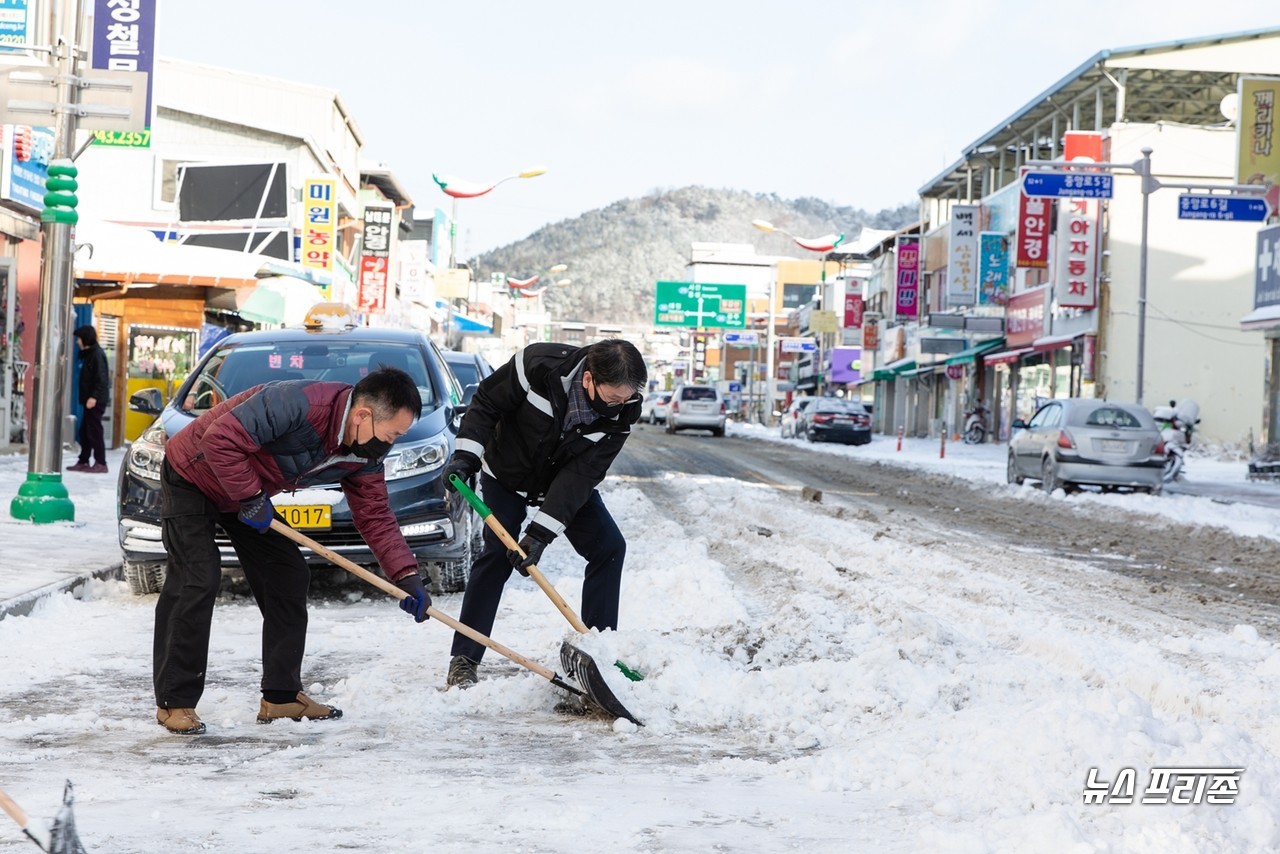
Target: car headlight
147,453
418,458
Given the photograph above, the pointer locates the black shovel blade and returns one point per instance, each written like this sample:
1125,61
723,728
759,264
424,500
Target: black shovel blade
582,667
63,838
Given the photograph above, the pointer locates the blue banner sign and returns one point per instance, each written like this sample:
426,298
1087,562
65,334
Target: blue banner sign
1068,185
1222,208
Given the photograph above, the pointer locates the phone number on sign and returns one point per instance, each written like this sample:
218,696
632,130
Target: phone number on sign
130,138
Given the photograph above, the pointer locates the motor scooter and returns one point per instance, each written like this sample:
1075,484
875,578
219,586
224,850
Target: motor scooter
975,425
1176,421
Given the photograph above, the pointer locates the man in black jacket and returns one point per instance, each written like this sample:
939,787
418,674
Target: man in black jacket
542,431
95,394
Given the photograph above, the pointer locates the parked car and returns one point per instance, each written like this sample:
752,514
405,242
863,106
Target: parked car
654,407
469,369
696,407
791,421
831,419
1078,441
438,525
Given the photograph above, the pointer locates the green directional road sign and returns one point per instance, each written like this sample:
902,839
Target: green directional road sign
700,305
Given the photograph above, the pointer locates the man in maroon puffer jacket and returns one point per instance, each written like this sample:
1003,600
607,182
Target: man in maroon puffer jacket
222,470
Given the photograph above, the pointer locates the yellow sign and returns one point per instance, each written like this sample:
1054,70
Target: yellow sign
1258,132
453,283
822,321
319,225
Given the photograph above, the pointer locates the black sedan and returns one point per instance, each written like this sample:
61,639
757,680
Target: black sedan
832,419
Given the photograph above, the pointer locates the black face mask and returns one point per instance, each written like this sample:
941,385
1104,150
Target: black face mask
373,449
603,409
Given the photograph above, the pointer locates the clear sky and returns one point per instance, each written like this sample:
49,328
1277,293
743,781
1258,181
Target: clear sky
855,102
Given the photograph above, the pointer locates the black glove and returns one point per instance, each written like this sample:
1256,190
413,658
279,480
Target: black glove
534,542
418,600
257,512
464,464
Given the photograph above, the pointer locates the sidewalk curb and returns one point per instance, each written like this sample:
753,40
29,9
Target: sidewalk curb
21,606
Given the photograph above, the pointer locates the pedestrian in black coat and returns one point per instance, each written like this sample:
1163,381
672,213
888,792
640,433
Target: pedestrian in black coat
542,431
95,395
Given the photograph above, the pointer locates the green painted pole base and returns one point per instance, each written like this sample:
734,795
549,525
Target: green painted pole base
43,499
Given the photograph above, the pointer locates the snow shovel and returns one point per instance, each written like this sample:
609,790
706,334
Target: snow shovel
536,574
597,691
63,838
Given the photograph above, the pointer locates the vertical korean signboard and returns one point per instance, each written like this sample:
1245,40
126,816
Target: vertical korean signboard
907,296
1075,272
1258,149
962,265
124,39
319,225
375,258
993,268
1033,231
853,310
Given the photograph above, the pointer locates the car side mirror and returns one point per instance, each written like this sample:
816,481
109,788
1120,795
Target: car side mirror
148,401
468,394
1019,424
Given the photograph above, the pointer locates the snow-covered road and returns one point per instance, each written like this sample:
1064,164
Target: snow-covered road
816,679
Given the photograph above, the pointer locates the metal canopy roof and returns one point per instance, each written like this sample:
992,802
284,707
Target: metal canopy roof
1139,84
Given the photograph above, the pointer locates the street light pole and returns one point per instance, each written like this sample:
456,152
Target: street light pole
815,244
456,188
1144,171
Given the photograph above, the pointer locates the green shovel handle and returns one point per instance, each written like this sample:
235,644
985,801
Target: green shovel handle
469,494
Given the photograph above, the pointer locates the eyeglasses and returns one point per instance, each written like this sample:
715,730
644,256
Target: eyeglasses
614,395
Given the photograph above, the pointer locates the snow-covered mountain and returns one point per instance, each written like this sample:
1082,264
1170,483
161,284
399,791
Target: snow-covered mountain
616,254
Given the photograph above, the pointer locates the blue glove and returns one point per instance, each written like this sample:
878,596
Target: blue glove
257,512
418,600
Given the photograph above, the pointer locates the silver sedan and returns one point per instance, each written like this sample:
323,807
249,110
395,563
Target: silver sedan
1080,441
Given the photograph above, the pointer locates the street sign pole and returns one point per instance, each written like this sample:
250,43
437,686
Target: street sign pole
43,498
1141,168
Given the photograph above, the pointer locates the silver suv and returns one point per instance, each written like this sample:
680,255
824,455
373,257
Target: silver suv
696,407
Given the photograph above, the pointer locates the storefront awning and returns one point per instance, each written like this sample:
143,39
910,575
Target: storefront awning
964,357
1052,342
128,255
899,366
920,372
1261,318
1004,357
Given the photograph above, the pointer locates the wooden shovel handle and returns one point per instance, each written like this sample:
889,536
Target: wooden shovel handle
390,589
15,812
536,574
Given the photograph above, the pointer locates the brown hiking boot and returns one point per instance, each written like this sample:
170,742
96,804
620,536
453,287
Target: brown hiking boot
303,707
180,721
97,468
462,672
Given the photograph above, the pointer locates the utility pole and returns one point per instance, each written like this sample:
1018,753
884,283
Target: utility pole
43,498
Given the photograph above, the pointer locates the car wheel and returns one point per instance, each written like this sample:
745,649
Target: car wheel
450,576
1011,471
1158,489
719,431
1049,476
144,578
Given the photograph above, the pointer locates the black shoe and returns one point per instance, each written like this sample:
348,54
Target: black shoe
462,672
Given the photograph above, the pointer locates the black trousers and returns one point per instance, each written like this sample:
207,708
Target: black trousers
592,533
91,436
277,575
